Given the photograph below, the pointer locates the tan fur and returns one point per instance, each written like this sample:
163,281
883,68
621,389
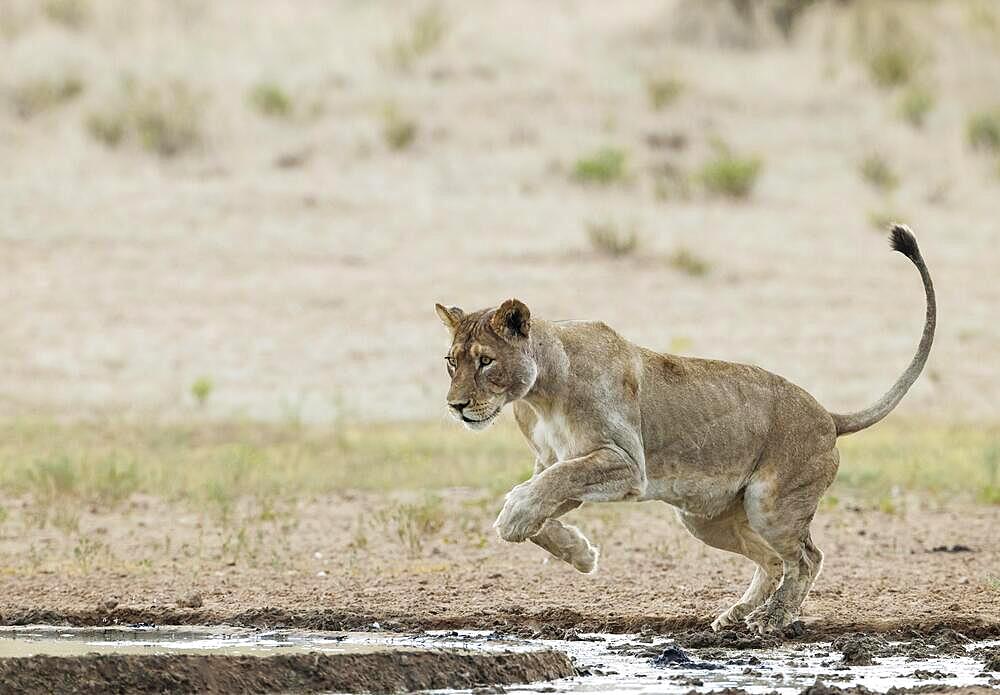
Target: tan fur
742,454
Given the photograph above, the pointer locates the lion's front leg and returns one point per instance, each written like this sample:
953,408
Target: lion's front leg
606,475
568,544
524,512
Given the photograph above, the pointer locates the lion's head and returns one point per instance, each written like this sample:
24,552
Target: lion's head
489,362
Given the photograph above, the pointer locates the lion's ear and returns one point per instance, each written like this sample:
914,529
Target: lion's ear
512,319
450,316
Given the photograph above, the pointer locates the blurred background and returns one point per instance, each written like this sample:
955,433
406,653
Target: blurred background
220,210
224,226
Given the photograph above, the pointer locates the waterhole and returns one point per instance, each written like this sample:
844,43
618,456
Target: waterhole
600,663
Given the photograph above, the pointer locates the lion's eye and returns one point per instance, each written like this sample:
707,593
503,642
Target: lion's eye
485,361
451,361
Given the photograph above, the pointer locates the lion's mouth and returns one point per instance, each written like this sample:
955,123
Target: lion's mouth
481,421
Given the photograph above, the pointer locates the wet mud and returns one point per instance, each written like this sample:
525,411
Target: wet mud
380,672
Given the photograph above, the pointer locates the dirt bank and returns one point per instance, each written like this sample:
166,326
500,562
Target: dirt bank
382,672
339,569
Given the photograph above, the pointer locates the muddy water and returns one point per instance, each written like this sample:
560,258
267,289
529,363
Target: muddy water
62,641
607,667
607,663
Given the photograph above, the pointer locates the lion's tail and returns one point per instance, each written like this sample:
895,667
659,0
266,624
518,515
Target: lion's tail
901,239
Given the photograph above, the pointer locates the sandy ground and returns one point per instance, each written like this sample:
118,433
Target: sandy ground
306,291
345,565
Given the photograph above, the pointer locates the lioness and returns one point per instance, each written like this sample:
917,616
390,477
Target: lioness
742,454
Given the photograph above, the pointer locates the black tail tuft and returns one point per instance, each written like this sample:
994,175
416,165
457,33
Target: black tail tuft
901,239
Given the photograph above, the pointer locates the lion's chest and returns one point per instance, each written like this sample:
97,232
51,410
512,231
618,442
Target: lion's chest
553,439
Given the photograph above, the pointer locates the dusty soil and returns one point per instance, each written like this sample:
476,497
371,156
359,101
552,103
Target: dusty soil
294,673
340,567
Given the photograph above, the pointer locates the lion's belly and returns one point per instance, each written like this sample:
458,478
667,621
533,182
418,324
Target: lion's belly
703,469
686,487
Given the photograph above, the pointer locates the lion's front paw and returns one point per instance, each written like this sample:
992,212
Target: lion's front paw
769,618
522,515
585,559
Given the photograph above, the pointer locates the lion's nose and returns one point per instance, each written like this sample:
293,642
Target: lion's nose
458,406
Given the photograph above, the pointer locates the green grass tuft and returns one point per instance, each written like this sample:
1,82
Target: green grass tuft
269,99
731,175
605,166
893,64
663,91
983,130
689,263
201,389
914,105
398,130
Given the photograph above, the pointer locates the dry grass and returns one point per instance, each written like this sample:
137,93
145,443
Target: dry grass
426,31
215,466
414,523
688,262
915,104
663,91
72,14
983,130
883,220
877,172
892,65
398,130
36,96
610,239
162,119
892,53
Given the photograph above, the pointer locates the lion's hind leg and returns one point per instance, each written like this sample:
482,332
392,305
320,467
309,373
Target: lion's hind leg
780,504
731,531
